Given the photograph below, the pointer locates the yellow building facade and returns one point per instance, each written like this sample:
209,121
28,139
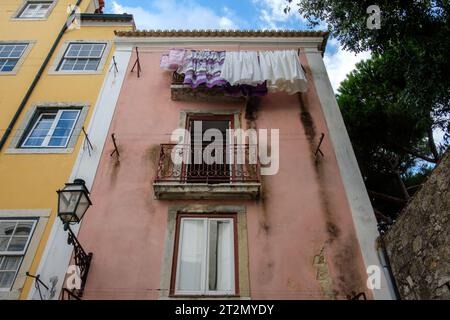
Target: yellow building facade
51,73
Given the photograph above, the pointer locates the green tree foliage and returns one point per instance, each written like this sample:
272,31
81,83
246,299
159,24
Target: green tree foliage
392,103
387,136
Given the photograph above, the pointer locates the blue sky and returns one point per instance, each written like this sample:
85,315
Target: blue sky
232,14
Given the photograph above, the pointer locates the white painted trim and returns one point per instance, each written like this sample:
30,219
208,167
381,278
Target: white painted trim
14,147
61,54
358,199
21,60
257,42
16,17
87,23
25,213
56,257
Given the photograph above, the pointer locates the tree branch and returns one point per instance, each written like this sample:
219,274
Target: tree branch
417,154
432,144
386,197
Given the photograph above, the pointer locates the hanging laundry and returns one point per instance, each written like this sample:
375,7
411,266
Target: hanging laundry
283,71
164,63
173,60
204,67
242,68
245,90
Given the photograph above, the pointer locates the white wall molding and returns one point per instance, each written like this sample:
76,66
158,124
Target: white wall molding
57,254
257,42
358,199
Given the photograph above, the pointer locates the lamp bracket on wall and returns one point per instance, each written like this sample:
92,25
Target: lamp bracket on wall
87,142
137,64
114,65
38,283
318,151
116,149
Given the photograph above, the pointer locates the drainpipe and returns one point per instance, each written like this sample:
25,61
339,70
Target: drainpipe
36,80
384,258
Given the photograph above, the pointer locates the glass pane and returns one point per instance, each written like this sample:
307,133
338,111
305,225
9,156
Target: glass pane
40,131
24,228
68,64
61,133
69,114
4,243
7,228
220,277
68,201
98,47
17,244
34,142
79,65
10,263
6,51
6,279
57,142
92,64
192,246
8,65
84,53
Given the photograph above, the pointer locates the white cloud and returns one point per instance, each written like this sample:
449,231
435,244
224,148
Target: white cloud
341,63
171,14
272,15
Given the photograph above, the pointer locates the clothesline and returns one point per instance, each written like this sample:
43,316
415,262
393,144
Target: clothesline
256,71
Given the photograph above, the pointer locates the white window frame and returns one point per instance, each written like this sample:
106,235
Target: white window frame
18,253
66,56
52,129
18,59
40,3
205,259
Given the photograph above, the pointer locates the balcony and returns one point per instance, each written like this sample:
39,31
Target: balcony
238,179
182,92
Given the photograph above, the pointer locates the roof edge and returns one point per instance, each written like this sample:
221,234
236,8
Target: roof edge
226,34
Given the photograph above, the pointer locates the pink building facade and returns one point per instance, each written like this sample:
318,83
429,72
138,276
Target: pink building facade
158,231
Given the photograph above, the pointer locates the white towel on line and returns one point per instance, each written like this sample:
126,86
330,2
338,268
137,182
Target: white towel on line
281,69
242,67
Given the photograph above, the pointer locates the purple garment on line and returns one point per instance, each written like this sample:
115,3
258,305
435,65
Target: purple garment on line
204,67
245,90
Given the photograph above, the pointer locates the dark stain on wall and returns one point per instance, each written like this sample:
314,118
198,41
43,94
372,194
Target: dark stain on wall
151,158
310,132
349,279
115,168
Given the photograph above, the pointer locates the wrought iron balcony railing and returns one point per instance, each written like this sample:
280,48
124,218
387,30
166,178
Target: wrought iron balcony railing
240,165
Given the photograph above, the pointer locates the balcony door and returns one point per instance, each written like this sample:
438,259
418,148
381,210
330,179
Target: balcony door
200,169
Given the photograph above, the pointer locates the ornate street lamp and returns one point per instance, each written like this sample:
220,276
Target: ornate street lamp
73,202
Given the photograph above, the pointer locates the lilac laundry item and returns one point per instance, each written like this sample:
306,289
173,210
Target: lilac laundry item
204,68
173,60
164,63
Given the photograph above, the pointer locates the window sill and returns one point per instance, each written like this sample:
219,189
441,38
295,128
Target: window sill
198,191
9,294
38,151
8,73
29,19
65,73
